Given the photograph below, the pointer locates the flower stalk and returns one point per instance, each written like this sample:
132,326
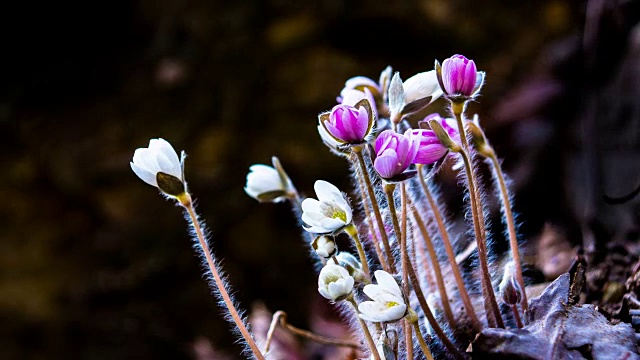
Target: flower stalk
365,330
444,235
186,202
457,108
376,209
352,231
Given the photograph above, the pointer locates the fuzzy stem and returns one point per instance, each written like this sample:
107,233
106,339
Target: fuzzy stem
516,315
365,329
446,306
408,339
280,318
352,231
367,213
376,209
478,218
513,240
444,235
423,343
432,319
186,202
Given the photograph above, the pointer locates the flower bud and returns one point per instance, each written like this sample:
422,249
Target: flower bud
431,149
459,77
334,282
479,140
349,124
353,266
395,153
509,287
324,246
158,165
268,184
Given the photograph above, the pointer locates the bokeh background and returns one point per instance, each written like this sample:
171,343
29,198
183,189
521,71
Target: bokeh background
94,264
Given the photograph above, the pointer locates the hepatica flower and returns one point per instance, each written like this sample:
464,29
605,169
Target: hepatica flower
330,213
395,153
459,76
347,124
334,282
431,149
266,183
387,302
158,165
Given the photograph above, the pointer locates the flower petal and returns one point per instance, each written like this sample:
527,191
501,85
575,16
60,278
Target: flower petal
145,175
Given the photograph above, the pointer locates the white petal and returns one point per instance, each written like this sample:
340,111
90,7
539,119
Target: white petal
146,176
332,224
144,158
325,190
371,311
387,281
317,229
422,85
311,205
164,150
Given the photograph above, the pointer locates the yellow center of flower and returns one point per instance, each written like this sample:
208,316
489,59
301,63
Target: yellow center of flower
337,214
391,304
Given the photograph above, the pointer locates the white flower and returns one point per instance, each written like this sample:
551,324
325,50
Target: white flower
160,158
266,183
334,282
330,213
388,303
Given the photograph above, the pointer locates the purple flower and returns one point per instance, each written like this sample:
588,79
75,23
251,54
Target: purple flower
395,152
459,76
348,124
430,149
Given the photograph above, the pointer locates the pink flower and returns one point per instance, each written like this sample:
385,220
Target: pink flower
430,149
459,76
348,124
353,96
395,152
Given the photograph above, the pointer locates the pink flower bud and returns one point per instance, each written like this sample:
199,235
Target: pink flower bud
348,124
430,149
395,152
459,76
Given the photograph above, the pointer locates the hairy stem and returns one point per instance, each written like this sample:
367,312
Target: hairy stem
365,329
446,306
404,256
516,315
423,343
513,240
478,220
352,231
376,209
432,319
368,215
444,235
186,202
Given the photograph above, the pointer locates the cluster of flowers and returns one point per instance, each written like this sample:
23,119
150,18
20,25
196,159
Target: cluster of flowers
370,128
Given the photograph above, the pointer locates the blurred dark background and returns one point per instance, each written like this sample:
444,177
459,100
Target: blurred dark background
94,264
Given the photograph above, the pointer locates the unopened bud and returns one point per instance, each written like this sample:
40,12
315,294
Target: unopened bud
509,287
353,266
480,140
324,246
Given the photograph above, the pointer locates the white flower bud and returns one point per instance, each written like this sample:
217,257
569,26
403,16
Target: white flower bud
353,266
334,282
158,165
324,246
266,183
